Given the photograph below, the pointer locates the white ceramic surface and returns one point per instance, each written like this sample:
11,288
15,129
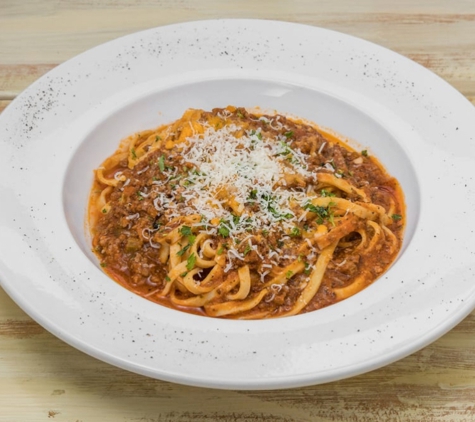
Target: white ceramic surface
63,126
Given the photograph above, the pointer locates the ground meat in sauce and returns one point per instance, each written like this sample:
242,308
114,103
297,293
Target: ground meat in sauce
124,237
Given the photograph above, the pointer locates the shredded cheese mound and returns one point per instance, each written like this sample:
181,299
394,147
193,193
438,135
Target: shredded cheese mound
248,167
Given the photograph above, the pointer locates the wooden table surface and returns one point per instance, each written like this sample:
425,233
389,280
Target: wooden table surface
43,379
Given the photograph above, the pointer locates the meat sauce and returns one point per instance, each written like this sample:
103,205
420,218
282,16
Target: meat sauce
123,237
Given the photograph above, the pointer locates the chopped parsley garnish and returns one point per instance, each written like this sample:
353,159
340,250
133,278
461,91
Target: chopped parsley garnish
247,250
255,133
220,250
104,211
364,153
330,213
295,232
223,231
278,214
161,163
308,269
317,209
396,217
103,264
286,150
253,194
322,212
134,154
183,250
258,135
157,138
167,279
289,134
185,231
190,262
289,274
139,194
236,219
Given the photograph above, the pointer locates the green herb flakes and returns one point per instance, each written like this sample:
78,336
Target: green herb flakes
190,262
161,163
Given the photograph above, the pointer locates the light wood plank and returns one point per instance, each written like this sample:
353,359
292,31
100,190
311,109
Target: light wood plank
15,78
55,38
36,38
4,104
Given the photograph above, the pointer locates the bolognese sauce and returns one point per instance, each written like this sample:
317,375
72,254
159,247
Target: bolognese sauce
234,214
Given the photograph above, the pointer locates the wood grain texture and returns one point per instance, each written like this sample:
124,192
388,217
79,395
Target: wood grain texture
36,35
4,104
15,78
44,379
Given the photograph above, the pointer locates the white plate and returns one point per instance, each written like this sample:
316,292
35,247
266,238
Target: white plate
63,126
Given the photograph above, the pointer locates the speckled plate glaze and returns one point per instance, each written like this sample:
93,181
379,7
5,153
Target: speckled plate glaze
64,125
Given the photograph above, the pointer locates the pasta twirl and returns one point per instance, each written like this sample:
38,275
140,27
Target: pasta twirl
234,214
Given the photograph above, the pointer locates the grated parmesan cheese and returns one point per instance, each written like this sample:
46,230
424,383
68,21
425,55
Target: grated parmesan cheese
238,179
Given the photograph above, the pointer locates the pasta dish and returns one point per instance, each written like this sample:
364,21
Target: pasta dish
233,214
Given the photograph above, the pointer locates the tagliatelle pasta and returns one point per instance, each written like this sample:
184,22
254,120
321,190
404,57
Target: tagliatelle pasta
234,214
